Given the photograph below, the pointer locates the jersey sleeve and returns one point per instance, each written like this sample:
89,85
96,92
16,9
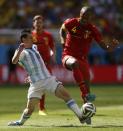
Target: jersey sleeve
96,34
21,58
68,22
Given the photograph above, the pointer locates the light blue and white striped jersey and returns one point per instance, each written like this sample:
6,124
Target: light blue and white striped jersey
33,63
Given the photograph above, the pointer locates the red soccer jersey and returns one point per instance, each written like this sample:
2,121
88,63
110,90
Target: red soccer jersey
44,42
79,37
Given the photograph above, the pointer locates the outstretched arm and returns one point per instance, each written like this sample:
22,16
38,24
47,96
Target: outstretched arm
109,47
17,53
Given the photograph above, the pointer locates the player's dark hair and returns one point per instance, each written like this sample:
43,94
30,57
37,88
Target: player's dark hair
36,17
24,34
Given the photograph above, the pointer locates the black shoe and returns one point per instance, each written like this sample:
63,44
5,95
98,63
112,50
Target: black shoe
83,119
88,121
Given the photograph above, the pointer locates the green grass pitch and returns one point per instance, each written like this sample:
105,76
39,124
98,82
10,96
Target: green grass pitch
109,116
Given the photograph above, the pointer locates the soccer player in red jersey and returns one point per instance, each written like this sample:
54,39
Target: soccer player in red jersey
45,45
76,36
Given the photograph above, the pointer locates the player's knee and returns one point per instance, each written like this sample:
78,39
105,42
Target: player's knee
71,64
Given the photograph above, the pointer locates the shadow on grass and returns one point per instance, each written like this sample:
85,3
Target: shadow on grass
68,126
108,126
101,115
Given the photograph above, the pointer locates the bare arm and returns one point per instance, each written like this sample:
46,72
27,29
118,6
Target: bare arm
111,46
17,54
62,34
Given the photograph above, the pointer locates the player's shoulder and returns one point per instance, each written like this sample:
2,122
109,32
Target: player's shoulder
92,25
70,20
45,32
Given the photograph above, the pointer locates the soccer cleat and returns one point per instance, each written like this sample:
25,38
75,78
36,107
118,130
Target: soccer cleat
42,112
82,120
15,123
90,97
88,121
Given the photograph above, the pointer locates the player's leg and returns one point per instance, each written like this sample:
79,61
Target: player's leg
34,95
62,93
84,68
73,64
54,86
42,109
31,103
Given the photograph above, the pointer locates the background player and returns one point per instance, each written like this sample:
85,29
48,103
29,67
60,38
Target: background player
45,44
76,36
41,80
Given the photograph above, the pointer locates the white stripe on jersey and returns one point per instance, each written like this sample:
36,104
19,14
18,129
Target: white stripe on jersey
34,65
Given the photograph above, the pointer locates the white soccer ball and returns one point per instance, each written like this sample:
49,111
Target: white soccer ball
88,109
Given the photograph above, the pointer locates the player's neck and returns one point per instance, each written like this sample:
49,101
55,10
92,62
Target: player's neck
39,31
81,22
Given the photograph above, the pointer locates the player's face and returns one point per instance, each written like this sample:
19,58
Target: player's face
86,17
38,24
28,41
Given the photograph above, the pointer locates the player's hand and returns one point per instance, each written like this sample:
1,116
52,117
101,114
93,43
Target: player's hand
27,80
21,47
114,44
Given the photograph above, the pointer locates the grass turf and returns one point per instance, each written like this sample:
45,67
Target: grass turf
109,116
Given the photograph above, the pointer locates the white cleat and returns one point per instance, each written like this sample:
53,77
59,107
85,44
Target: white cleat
15,123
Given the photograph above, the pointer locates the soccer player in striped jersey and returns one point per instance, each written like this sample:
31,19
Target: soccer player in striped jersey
41,80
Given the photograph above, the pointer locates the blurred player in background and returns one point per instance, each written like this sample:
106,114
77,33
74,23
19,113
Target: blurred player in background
41,80
76,36
45,45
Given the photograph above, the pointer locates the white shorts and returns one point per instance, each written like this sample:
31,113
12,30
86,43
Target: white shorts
40,87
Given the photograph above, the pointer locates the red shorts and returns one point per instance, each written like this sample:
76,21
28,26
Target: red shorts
83,65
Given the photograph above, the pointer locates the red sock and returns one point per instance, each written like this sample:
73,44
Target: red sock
77,75
42,103
84,90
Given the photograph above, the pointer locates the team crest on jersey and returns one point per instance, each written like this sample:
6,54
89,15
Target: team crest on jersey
87,34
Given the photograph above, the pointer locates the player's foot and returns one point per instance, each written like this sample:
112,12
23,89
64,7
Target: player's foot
15,123
42,112
88,121
90,97
83,119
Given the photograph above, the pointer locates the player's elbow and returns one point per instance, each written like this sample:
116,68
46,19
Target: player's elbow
14,61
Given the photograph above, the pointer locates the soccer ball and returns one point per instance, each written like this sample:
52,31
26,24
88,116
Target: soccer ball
88,109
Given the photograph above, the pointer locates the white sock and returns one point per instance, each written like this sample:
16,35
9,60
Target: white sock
74,107
24,117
